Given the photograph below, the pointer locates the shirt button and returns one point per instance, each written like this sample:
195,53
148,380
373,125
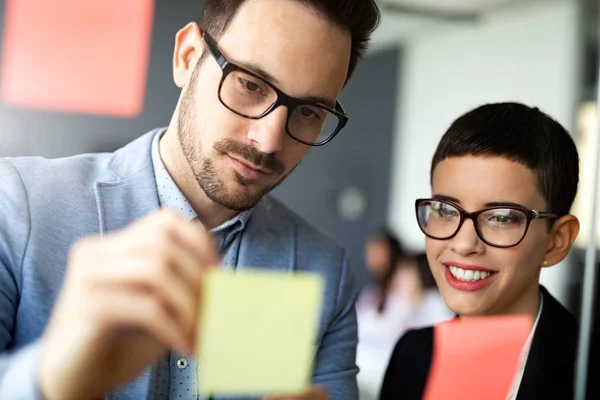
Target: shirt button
182,363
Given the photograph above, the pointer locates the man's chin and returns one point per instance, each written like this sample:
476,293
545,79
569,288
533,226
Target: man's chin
238,199
235,192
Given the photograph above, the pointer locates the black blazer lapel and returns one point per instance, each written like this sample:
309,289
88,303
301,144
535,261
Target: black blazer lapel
408,367
551,361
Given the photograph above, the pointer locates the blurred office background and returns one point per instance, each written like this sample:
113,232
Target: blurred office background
430,61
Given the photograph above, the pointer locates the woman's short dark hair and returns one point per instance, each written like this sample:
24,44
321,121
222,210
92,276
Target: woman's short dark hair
523,134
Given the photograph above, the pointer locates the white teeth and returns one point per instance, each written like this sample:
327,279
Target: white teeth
468,275
458,273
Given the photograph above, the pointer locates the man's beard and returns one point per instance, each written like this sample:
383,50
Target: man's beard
204,169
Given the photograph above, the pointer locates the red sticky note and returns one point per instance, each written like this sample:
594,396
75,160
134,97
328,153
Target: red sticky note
84,56
476,358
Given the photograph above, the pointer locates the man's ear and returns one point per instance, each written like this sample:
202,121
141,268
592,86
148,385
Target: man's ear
563,234
188,48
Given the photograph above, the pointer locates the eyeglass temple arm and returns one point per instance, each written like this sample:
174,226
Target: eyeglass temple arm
541,214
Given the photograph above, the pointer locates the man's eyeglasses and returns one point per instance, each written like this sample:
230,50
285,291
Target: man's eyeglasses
501,226
250,96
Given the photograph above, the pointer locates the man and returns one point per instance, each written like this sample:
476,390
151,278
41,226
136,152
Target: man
259,80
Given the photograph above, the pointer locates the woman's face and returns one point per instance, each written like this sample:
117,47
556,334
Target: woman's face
509,282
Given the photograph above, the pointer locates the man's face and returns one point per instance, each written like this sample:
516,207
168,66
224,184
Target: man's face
237,160
473,183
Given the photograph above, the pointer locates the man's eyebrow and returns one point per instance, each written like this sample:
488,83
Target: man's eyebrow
320,100
255,69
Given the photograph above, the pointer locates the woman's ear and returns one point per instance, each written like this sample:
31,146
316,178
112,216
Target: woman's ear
563,234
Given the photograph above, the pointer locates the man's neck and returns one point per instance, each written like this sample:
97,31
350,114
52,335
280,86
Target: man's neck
209,213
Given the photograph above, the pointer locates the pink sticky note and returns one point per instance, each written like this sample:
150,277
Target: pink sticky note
84,56
476,358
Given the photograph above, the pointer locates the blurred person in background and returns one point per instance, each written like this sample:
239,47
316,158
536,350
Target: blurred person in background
432,308
401,295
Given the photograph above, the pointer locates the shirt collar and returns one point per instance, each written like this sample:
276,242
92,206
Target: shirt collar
170,196
524,355
537,319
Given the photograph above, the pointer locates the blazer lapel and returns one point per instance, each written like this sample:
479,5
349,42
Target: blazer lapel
132,194
121,203
550,364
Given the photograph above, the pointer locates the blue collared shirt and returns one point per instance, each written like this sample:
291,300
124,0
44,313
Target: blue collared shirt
176,374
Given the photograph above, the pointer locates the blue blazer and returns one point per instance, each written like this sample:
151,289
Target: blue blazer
46,205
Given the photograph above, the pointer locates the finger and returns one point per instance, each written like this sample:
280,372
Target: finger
191,235
165,235
188,264
190,272
199,241
154,277
142,311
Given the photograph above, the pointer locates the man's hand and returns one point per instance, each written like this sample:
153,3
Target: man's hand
127,298
315,393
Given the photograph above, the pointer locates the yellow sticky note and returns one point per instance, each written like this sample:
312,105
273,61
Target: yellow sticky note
257,332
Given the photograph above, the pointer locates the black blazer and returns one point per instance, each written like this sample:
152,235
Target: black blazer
548,374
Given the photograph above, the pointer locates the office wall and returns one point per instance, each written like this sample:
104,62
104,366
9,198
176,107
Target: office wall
527,53
343,187
55,134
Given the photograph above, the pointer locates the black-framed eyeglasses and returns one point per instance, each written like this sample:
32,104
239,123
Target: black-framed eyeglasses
250,96
501,226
